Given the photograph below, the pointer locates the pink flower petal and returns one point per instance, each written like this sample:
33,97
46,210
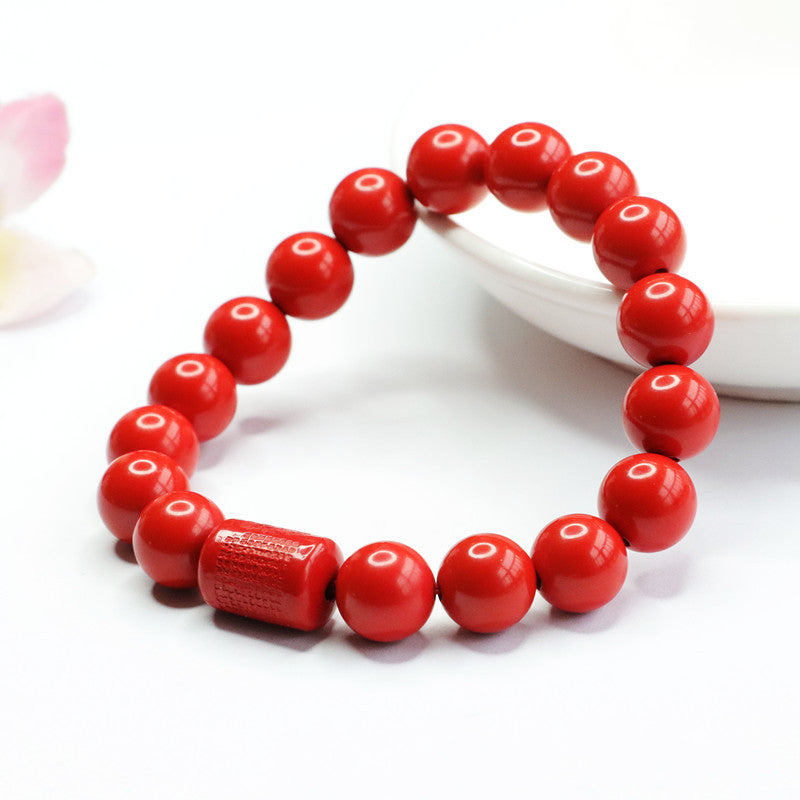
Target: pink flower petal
33,138
35,275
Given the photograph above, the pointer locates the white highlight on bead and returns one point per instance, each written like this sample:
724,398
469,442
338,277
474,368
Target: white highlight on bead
664,382
448,138
190,368
382,558
150,421
526,137
642,471
244,311
306,246
369,182
180,508
589,166
482,550
574,530
142,466
659,289
634,212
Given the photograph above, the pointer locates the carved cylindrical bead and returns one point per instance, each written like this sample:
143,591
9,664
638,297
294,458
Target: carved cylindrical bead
271,574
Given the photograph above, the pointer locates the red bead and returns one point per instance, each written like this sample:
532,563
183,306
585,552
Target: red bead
385,591
156,428
271,574
131,482
251,337
583,187
372,212
486,583
649,500
580,561
309,275
201,388
445,169
520,163
665,319
169,534
636,237
671,410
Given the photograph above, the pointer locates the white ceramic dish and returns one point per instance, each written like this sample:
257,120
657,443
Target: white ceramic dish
709,134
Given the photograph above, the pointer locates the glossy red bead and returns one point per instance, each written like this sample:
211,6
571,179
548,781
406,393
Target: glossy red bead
521,161
251,337
665,319
583,187
169,535
309,275
671,410
201,388
649,500
130,483
372,212
486,583
580,562
271,574
156,428
635,237
385,591
445,170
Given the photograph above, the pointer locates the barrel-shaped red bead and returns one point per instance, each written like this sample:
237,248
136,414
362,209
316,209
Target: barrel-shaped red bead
583,187
486,583
275,575
156,428
671,410
385,591
445,169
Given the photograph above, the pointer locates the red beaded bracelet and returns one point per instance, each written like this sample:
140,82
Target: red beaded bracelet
486,583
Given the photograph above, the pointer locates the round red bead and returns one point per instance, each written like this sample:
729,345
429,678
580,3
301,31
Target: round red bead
671,410
130,483
649,500
385,591
521,162
201,388
309,275
251,337
580,561
583,187
486,583
156,428
665,319
372,212
636,237
445,169
169,535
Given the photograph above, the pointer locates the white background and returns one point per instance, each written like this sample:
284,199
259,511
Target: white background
421,412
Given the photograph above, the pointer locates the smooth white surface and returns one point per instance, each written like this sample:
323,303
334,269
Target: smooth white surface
423,412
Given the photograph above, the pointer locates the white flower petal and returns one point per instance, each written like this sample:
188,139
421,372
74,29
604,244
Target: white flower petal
33,140
35,275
